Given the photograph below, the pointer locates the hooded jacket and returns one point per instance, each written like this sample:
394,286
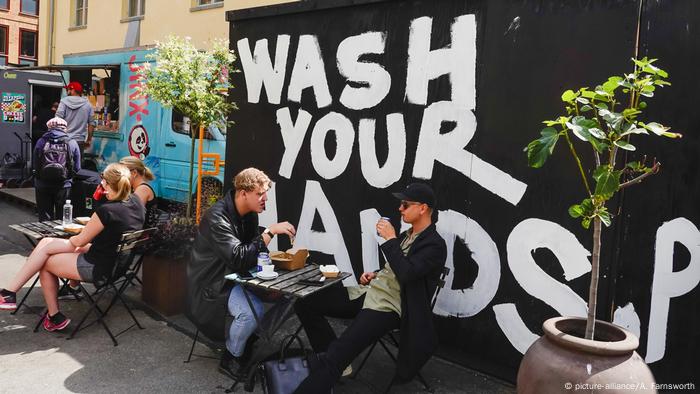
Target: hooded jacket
78,113
226,242
38,152
418,274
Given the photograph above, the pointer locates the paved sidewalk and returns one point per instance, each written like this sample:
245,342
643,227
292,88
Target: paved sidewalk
151,360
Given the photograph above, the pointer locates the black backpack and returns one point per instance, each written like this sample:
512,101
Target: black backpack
56,160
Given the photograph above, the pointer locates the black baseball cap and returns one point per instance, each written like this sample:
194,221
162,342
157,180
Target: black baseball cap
417,192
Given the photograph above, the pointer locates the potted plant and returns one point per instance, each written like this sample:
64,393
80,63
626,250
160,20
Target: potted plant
572,352
194,82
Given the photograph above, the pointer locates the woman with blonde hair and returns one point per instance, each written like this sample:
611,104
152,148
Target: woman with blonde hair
140,174
88,256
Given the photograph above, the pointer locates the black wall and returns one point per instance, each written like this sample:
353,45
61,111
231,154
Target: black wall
527,54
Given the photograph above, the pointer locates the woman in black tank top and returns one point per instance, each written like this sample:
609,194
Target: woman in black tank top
140,175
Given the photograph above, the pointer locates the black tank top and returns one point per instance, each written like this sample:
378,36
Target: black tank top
151,209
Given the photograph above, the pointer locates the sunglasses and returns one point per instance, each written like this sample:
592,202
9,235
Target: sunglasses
406,204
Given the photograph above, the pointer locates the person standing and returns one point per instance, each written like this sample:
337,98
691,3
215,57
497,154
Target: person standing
228,241
79,115
397,296
55,160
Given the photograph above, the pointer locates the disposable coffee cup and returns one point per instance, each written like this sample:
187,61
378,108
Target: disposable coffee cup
268,269
380,219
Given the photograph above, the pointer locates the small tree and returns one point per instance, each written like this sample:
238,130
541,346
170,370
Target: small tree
193,82
599,119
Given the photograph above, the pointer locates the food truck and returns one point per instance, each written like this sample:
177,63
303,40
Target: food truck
128,123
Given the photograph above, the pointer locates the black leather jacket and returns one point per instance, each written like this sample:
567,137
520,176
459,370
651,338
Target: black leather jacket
226,243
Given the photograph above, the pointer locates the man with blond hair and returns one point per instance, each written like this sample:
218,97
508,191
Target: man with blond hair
228,241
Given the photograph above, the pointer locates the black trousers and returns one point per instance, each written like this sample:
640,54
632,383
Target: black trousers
367,327
49,202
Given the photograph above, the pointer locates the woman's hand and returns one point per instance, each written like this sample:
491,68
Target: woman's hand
82,249
367,277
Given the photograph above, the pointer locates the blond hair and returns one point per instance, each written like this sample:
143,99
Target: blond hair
250,178
117,177
135,164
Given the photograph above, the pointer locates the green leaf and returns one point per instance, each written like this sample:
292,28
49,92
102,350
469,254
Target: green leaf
604,216
540,149
586,108
607,181
596,132
601,105
575,211
642,104
568,96
587,94
586,222
582,100
634,130
611,84
622,144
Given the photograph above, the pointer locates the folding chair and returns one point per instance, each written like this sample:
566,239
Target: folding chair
125,269
391,337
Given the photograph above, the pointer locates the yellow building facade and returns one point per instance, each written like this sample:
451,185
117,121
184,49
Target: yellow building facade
79,26
19,20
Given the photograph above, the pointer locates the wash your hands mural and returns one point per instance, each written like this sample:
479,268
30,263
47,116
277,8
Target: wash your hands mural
342,116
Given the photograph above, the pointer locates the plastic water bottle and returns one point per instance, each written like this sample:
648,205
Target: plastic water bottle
68,213
263,259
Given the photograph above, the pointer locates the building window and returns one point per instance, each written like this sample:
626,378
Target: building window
135,8
80,13
29,7
27,47
3,45
207,2
4,4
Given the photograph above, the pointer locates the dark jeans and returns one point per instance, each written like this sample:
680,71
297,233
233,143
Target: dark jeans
367,327
49,202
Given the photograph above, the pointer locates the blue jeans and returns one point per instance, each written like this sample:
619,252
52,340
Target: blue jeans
244,323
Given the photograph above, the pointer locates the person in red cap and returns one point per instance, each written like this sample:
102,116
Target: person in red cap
78,113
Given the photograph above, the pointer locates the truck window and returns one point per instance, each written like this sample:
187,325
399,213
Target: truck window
178,126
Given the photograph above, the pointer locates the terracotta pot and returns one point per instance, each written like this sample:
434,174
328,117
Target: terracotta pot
563,361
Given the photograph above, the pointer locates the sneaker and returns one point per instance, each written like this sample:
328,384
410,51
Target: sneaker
69,293
8,300
347,371
231,366
56,322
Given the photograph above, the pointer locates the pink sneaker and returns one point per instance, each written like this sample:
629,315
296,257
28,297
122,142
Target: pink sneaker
56,322
8,302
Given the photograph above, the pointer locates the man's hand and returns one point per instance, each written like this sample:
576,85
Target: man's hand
283,228
367,277
385,229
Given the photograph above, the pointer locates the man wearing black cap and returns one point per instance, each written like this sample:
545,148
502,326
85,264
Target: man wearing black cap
397,296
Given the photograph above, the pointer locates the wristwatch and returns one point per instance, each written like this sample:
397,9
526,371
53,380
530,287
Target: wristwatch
269,233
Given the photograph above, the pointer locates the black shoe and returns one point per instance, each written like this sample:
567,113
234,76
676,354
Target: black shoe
231,366
69,293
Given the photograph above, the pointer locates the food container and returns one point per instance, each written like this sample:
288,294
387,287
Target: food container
329,271
292,259
82,219
73,228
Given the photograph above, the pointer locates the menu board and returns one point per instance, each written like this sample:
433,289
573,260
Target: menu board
14,107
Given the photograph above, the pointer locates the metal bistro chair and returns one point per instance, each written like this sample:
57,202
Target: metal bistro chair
391,337
125,269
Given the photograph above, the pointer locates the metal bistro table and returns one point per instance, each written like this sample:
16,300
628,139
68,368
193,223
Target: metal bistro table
288,284
35,232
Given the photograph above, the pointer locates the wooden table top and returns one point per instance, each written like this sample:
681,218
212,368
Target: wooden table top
39,230
288,281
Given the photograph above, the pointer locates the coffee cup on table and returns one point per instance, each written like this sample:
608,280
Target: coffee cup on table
268,269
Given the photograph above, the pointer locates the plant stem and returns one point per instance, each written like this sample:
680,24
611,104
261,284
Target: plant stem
578,162
639,179
593,289
189,184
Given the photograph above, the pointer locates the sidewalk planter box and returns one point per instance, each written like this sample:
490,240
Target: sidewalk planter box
164,284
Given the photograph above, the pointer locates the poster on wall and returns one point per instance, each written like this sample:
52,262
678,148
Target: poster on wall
14,107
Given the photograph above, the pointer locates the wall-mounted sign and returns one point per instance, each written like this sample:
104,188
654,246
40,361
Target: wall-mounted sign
9,75
14,107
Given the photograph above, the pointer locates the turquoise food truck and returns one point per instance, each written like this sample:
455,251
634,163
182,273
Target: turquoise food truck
130,124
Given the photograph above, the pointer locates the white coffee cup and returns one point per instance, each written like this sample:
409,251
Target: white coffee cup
268,269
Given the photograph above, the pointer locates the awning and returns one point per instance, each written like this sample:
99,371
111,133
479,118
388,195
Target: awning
68,67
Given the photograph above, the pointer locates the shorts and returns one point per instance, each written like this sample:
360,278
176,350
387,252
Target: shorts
85,269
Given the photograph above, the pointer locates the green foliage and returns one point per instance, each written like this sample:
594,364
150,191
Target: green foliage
194,82
605,121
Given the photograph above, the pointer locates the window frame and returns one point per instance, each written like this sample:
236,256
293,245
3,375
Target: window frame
6,55
36,45
210,2
21,9
141,4
4,8
74,16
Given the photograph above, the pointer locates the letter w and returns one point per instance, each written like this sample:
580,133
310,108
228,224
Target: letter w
258,69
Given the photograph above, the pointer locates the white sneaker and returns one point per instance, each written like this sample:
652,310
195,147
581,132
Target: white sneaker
347,371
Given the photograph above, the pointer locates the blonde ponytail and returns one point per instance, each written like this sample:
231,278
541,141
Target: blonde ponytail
117,177
135,164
